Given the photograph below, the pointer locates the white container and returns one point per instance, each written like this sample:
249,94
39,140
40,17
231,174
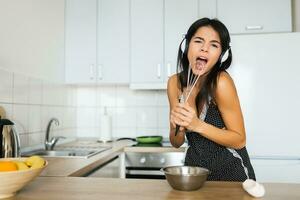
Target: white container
105,134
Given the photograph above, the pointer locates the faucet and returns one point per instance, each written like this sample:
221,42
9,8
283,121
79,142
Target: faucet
49,144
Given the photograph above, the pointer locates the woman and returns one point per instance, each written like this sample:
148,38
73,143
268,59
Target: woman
211,118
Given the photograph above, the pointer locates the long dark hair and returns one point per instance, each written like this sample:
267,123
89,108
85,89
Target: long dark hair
208,85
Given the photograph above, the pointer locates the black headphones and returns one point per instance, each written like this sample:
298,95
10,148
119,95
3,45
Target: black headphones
224,56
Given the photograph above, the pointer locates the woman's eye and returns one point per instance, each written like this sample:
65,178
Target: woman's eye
215,45
198,41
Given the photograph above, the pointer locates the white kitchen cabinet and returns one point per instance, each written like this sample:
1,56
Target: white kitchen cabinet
255,16
176,26
157,28
80,41
207,8
97,41
283,170
147,42
113,42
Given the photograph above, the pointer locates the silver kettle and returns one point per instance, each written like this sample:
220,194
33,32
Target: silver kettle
9,139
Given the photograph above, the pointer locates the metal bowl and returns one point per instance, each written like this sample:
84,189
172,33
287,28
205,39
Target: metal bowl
186,178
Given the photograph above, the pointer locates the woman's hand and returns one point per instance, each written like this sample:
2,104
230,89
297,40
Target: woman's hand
185,116
173,123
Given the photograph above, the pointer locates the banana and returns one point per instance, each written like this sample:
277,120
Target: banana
21,165
35,162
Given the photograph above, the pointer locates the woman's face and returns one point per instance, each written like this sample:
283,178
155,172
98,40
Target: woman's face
204,50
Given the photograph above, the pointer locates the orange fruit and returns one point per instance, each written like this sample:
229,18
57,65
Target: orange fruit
8,166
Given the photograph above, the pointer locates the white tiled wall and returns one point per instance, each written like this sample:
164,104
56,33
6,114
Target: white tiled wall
32,102
133,113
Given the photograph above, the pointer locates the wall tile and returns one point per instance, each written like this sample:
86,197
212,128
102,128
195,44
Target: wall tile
146,117
69,117
6,86
35,91
20,118
45,117
34,118
86,117
35,138
24,140
106,96
48,97
163,132
86,96
146,98
125,117
123,132
87,132
162,98
146,131
52,94
8,110
20,89
125,96
163,116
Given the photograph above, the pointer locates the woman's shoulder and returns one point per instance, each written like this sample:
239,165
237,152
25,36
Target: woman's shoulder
224,81
173,82
225,87
173,89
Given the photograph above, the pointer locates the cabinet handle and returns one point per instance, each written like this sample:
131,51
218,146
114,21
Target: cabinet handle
169,70
92,72
100,72
158,70
248,28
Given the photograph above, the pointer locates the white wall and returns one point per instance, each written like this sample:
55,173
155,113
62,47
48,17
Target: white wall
32,102
32,38
134,113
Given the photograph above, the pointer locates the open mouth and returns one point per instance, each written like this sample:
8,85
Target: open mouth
200,63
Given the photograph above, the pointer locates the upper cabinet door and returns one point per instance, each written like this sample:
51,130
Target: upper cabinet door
113,53
255,16
179,15
147,55
207,8
80,41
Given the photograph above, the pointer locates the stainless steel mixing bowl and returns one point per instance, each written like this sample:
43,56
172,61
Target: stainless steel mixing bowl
186,178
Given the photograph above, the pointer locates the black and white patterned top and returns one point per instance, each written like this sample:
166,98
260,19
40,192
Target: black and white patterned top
225,164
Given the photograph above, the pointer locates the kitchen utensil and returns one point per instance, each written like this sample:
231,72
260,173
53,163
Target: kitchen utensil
190,84
186,178
149,139
9,139
13,181
145,139
105,134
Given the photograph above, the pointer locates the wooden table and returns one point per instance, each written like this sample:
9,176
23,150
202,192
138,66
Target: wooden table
63,188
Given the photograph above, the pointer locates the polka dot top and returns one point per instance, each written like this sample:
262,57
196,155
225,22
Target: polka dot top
225,164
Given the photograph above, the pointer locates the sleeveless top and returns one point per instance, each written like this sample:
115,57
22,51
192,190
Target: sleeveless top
224,163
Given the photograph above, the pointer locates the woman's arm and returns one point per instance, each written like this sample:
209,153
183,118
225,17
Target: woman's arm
172,90
228,103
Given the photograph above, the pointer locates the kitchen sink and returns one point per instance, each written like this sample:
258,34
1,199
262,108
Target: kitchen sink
68,153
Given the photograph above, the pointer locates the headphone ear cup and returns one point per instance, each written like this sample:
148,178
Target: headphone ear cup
224,56
184,47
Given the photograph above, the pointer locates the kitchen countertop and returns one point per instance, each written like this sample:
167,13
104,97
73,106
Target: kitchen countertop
60,166
109,188
63,167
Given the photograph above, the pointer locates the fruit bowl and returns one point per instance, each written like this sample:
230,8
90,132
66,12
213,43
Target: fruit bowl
13,181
